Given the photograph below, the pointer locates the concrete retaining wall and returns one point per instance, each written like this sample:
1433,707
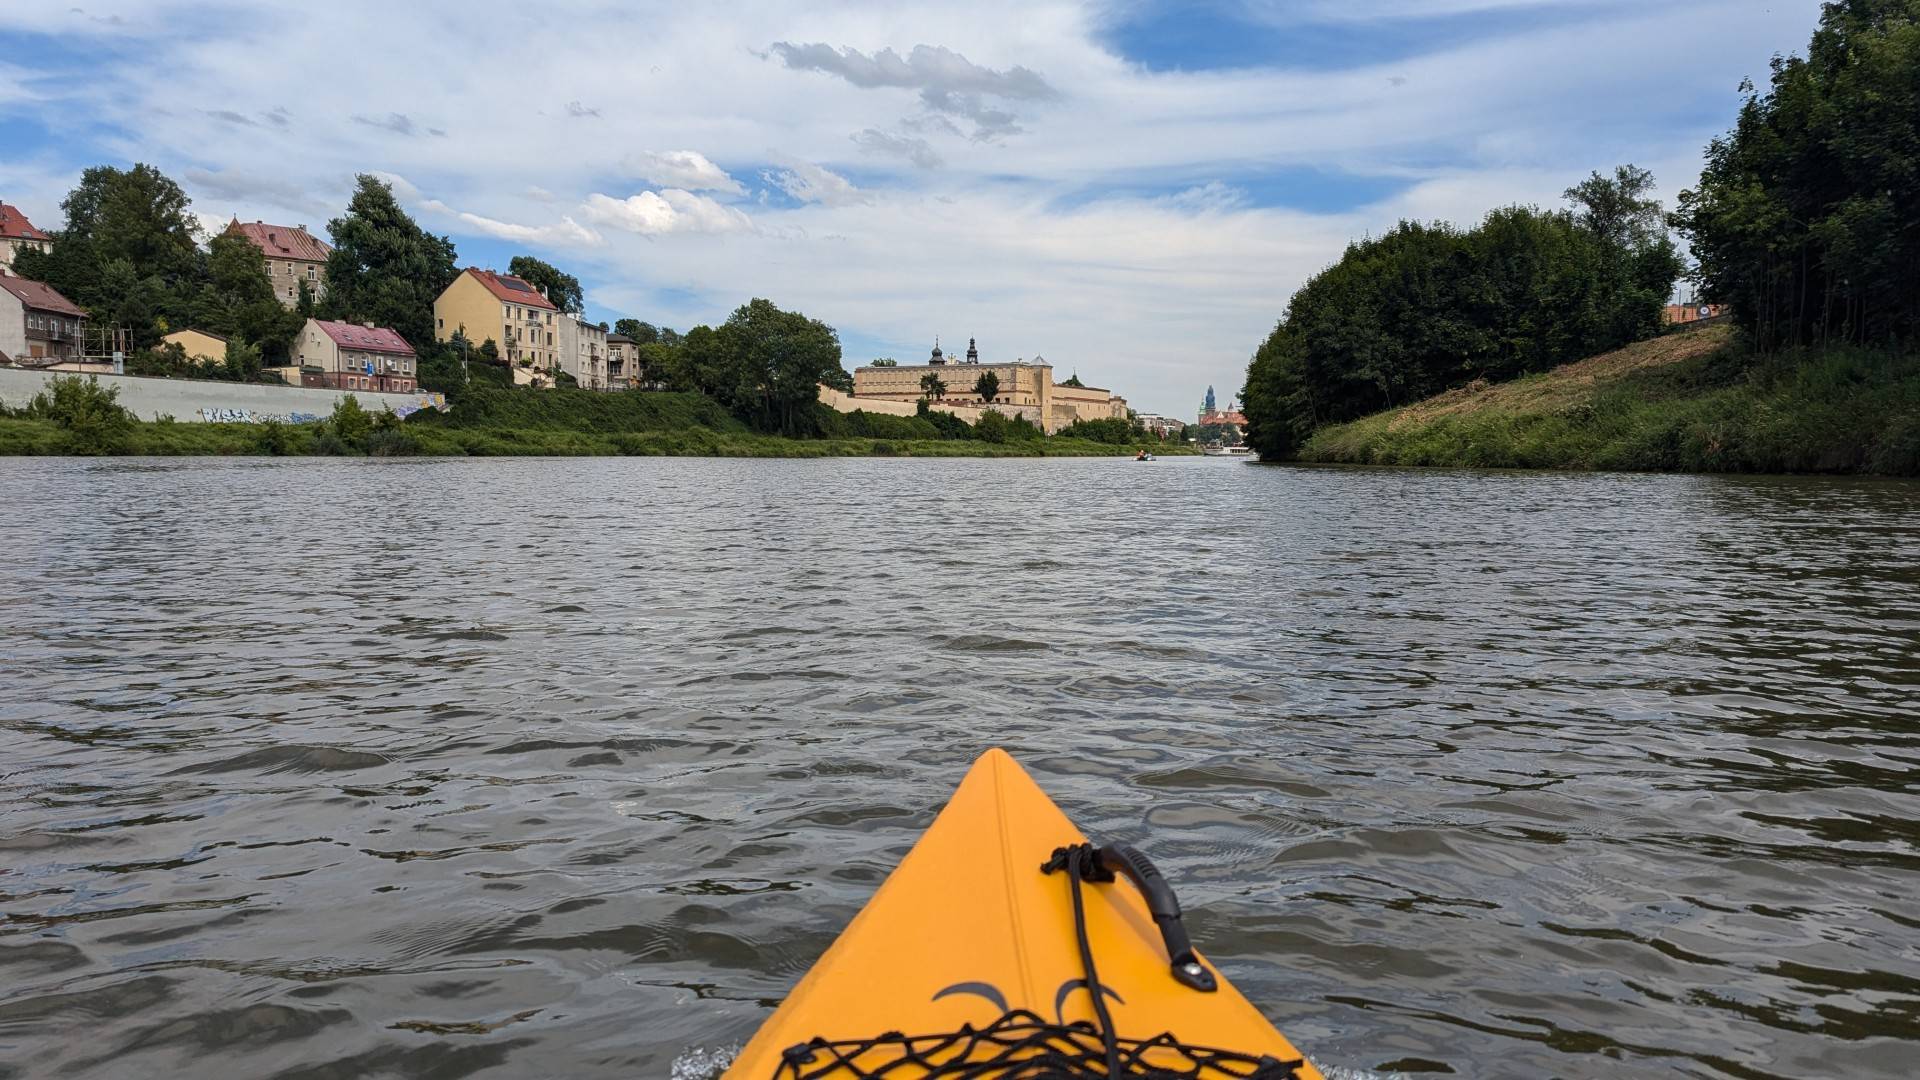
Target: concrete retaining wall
199,400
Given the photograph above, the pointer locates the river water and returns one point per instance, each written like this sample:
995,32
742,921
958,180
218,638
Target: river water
571,768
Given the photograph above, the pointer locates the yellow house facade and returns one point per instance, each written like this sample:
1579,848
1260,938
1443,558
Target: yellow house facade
199,344
522,324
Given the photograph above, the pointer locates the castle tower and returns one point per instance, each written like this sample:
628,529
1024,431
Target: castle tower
938,357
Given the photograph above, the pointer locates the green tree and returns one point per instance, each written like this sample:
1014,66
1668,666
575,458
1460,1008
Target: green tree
128,253
1426,307
642,333
1805,216
236,300
350,422
384,268
764,364
242,360
91,415
987,386
932,386
562,289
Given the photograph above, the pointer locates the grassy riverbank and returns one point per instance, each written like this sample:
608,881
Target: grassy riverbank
524,424
1686,402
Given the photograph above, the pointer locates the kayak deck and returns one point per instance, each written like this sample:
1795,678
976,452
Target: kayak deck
968,940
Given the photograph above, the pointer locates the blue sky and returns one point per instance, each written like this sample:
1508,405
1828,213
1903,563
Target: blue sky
1130,189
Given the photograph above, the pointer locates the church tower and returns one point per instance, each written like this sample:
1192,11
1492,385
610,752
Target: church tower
973,352
939,358
1207,406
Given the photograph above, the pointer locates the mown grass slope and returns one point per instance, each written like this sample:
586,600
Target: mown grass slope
1685,402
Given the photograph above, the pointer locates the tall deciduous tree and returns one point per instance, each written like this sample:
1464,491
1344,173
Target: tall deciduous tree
237,300
1807,216
562,289
765,364
384,268
642,333
128,253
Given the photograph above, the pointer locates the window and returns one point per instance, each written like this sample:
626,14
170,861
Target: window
440,324
313,273
289,292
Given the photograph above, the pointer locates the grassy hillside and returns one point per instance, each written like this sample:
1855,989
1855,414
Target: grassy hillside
1686,402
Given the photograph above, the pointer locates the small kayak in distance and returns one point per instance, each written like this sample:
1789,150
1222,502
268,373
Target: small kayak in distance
1006,946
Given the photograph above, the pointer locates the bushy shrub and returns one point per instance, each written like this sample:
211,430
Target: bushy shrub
89,414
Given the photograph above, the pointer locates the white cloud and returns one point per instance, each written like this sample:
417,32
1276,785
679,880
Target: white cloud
670,210
688,170
813,184
562,233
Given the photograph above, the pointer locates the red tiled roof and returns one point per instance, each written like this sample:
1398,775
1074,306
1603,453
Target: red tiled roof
511,289
15,226
282,241
40,296
368,338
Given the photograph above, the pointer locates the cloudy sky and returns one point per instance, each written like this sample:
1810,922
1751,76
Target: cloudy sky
1131,189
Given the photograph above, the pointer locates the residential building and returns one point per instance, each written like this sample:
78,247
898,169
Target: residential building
17,234
1026,388
355,356
623,362
38,326
1165,427
199,344
295,257
520,321
582,351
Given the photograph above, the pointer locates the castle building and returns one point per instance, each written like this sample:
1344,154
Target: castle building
1026,388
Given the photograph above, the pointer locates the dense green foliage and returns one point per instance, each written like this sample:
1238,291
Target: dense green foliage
236,301
1429,306
385,269
128,254
1807,216
581,410
1113,430
764,364
562,289
1837,410
88,415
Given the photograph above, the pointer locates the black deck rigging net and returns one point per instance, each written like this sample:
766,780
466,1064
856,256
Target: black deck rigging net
1021,1046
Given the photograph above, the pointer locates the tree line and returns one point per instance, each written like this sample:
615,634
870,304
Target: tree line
1806,221
1428,306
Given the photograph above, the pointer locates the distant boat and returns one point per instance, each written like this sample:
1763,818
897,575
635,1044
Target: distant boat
1228,451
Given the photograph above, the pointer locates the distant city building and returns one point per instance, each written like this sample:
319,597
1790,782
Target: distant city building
515,316
355,356
294,256
38,326
17,234
1676,314
1206,405
1026,388
1165,427
582,351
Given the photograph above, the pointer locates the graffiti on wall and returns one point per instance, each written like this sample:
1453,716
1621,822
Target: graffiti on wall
222,415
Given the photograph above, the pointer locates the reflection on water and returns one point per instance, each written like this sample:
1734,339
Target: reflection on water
563,768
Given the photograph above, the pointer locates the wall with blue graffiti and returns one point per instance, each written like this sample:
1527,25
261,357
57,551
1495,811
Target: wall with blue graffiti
198,401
